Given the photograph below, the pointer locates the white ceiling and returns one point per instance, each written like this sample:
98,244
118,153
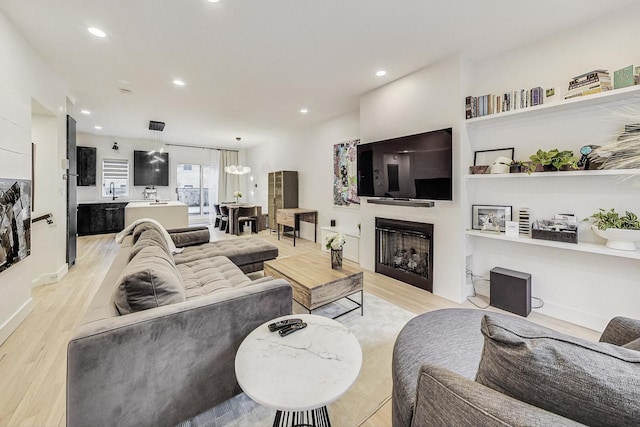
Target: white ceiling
251,65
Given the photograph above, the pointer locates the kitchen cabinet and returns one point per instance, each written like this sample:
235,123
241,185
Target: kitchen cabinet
100,218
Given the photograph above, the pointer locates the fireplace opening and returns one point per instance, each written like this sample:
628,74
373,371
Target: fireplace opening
404,251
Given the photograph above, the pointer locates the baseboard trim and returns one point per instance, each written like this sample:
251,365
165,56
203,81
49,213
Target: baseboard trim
562,312
47,279
15,320
571,315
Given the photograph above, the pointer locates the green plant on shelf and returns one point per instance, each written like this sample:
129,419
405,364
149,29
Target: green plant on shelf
612,219
553,160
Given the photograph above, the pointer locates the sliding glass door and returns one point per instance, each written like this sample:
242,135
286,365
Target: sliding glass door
196,185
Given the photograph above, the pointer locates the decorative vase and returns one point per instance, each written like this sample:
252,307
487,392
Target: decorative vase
620,239
336,259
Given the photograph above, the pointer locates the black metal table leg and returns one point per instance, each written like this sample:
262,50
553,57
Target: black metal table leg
314,418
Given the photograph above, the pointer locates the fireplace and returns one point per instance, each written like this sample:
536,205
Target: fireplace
404,251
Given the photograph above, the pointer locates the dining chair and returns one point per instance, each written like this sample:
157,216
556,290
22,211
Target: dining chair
247,215
224,219
218,215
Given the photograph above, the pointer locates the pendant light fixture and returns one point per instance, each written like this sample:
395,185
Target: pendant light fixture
237,169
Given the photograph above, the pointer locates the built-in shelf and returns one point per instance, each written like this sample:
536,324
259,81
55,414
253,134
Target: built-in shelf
581,103
563,174
593,248
412,202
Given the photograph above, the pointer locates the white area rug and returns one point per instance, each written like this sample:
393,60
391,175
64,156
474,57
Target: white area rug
376,331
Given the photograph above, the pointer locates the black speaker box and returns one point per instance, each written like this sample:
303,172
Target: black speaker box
510,290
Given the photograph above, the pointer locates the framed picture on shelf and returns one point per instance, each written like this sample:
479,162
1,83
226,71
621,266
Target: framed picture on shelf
487,157
490,217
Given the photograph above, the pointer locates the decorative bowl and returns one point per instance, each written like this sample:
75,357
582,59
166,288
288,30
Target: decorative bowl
617,238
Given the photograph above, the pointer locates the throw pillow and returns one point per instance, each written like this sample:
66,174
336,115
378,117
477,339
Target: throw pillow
592,383
149,280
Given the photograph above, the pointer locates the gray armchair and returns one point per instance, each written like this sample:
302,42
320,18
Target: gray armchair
439,355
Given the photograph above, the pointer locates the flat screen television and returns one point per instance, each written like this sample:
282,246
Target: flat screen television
409,167
150,169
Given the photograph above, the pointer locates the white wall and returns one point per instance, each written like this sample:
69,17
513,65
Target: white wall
582,288
23,77
426,100
310,152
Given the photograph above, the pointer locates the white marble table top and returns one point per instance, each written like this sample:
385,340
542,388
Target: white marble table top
308,369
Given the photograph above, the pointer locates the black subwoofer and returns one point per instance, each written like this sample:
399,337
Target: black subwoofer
510,290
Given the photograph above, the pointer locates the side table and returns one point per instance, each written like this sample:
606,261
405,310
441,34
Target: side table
298,375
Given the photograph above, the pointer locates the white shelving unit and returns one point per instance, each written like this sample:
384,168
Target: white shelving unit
558,174
581,103
593,248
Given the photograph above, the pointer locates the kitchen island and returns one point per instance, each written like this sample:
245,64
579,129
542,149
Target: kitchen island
171,213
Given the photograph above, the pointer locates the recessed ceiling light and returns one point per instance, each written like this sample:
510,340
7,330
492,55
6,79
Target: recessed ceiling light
178,82
304,111
381,73
213,1
98,127
97,32
87,112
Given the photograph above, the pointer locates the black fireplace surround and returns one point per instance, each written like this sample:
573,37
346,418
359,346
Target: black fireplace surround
404,251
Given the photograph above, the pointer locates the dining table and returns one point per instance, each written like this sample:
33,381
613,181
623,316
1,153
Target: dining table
234,210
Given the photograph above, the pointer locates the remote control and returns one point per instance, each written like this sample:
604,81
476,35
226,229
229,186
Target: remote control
291,329
276,326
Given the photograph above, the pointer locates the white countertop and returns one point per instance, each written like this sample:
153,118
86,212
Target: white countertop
306,370
152,204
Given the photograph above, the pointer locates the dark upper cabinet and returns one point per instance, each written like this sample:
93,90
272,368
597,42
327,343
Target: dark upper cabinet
86,162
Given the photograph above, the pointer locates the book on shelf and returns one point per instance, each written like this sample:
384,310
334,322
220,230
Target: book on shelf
595,81
483,105
623,77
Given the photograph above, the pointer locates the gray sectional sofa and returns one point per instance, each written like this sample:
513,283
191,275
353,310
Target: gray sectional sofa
158,341
463,367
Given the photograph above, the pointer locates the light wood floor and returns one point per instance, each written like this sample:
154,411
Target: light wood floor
33,359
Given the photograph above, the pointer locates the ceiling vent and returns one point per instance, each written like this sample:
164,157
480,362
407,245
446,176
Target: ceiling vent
159,126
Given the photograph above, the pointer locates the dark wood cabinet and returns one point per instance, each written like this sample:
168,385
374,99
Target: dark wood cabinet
100,218
282,193
86,164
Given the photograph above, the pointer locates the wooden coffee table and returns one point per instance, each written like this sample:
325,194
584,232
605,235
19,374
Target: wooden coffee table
315,283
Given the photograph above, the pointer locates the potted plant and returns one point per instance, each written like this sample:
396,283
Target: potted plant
565,160
335,242
517,166
621,232
237,195
542,158
553,160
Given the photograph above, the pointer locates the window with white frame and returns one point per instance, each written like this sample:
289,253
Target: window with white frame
115,177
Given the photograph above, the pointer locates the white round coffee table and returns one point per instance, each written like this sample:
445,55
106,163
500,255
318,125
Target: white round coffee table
299,374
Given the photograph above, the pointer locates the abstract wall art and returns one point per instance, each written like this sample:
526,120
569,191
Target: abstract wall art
15,221
345,184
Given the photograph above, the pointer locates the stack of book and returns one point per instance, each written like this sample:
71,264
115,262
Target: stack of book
595,81
478,106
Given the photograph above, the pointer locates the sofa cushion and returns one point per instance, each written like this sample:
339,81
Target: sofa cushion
142,227
189,236
241,251
592,383
149,280
633,345
205,276
148,238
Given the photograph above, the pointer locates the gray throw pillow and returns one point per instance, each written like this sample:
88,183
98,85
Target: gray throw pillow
149,280
633,345
592,383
